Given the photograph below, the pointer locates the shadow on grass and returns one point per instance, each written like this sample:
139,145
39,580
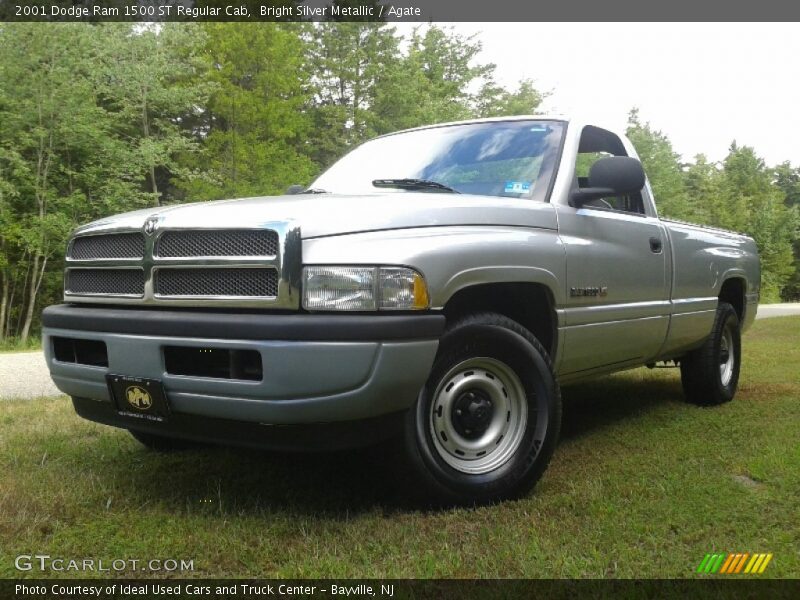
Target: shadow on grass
245,481
339,485
597,403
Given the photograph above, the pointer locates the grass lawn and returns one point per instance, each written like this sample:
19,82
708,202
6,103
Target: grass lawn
642,485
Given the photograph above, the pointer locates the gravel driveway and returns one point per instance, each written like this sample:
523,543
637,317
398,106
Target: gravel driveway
24,374
765,311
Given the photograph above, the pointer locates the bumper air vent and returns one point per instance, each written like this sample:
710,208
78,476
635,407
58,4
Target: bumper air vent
216,363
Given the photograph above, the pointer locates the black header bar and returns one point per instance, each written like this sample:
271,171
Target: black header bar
396,11
393,589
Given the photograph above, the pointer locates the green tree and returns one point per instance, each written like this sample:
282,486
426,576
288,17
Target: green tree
434,82
702,180
495,101
257,125
787,179
438,79
348,60
9,162
663,167
447,61
151,80
750,202
47,123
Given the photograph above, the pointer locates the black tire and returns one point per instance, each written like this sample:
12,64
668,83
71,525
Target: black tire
704,374
508,358
160,443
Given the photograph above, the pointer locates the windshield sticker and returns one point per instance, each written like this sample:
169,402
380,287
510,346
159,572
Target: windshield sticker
517,187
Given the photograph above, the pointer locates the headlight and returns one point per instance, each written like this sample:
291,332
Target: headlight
339,288
363,288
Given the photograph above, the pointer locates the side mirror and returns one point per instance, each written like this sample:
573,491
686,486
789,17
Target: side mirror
612,176
295,189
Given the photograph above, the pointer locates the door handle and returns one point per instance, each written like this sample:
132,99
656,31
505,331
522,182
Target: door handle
656,245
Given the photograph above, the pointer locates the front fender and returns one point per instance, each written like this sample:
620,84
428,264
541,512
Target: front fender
453,258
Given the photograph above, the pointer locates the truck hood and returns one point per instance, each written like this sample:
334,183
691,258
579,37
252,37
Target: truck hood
323,215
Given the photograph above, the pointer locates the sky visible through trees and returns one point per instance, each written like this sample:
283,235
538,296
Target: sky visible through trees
97,119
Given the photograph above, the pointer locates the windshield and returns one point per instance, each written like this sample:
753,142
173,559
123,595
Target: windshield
504,158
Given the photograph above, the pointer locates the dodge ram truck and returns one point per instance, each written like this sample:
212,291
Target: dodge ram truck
435,285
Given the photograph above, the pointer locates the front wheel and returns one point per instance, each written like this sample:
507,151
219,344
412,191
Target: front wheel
710,374
487,421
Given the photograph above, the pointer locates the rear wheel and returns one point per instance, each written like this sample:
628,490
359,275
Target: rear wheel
710,374
487,421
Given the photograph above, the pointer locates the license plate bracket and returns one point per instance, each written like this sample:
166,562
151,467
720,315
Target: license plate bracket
139,397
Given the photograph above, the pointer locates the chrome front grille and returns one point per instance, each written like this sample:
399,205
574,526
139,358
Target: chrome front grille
109,246
217,282
107,282
232,242
237,266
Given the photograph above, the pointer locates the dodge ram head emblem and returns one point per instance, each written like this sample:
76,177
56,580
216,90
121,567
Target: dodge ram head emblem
150,225
138,397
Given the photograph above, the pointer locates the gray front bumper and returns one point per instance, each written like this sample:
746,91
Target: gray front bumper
304,380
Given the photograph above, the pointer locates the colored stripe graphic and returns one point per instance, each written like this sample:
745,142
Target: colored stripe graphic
734,563
732,558
710,563
752,562
703,563
758,562
716,565
765,563
741,562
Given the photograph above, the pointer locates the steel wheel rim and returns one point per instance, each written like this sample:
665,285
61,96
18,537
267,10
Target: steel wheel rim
727,356
473,451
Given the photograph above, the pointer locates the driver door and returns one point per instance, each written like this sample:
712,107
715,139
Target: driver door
617,284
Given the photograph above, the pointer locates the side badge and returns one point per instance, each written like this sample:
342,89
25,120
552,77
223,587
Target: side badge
591,291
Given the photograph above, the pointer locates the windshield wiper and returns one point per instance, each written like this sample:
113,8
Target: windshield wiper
314,191
413,184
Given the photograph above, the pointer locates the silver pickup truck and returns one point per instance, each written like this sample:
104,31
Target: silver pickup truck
436,284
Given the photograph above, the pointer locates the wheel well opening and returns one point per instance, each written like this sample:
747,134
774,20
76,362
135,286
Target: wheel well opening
732,292
529,304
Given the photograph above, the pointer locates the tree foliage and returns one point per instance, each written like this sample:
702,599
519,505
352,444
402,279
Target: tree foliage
663,167
256,122
151,82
